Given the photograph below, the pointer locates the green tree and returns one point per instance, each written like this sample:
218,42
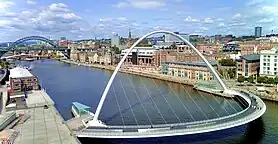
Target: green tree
260,79
227,62
240,79
173,46
265,79
232,73
270,81
276,80
250,79
115,49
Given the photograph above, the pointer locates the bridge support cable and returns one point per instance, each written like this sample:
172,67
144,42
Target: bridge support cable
240,101
166,101
138,97
220,103
118,105
209,104
194,102
153,100
136,121
229,103
191,116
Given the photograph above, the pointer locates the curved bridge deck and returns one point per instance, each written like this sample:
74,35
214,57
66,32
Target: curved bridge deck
255,109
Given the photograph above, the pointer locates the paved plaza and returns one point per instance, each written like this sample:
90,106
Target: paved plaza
45,126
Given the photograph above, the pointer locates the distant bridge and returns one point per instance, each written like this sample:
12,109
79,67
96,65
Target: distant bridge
54,46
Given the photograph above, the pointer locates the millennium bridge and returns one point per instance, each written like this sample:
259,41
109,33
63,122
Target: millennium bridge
252,108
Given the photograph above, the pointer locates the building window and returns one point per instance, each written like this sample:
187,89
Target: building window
275,73
264,64
268,68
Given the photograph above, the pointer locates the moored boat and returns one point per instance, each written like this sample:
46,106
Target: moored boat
79,109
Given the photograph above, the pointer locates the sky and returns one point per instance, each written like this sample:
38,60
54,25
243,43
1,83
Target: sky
83,19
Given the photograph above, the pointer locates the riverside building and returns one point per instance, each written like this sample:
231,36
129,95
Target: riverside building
189,70
21,79
269,62
248,66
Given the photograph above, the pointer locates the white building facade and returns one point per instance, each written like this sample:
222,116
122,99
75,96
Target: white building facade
269,62
115,40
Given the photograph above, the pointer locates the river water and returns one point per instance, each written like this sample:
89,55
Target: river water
136,100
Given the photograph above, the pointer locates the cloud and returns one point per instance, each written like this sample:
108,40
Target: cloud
6,4
266,20
58,7
146,4
221,24
31,2
236,16
208,20
119,19
54,20
190,19
204,28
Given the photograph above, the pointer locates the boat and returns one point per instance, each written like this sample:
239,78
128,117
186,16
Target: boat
79,109
29,59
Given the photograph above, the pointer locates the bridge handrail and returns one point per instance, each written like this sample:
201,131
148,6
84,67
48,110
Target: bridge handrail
256,114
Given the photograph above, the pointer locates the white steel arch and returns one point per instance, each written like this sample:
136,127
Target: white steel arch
95,121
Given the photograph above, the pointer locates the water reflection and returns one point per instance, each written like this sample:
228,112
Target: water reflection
255,132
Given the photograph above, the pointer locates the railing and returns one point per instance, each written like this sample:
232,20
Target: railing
177,124
188,130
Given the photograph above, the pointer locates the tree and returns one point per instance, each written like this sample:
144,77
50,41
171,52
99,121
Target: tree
115,49
270,81
173,46
260,79
240,79
276,80
250,79
232,73
227,62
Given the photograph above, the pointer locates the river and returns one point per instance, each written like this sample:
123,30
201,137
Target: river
137,100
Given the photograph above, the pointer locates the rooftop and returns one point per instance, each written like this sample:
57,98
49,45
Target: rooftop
19,72
274,50
253,57
199,64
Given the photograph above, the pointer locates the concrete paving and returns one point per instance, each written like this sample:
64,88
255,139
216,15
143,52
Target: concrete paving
45,126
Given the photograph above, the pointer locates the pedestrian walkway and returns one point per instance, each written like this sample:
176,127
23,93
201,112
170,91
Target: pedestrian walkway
45,126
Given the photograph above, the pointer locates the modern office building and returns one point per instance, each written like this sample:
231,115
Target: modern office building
258,31
269,62
21,79
115,40
248,66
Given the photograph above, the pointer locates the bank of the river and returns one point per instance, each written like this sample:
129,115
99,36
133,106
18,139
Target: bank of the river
134,72
170,79
151,75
